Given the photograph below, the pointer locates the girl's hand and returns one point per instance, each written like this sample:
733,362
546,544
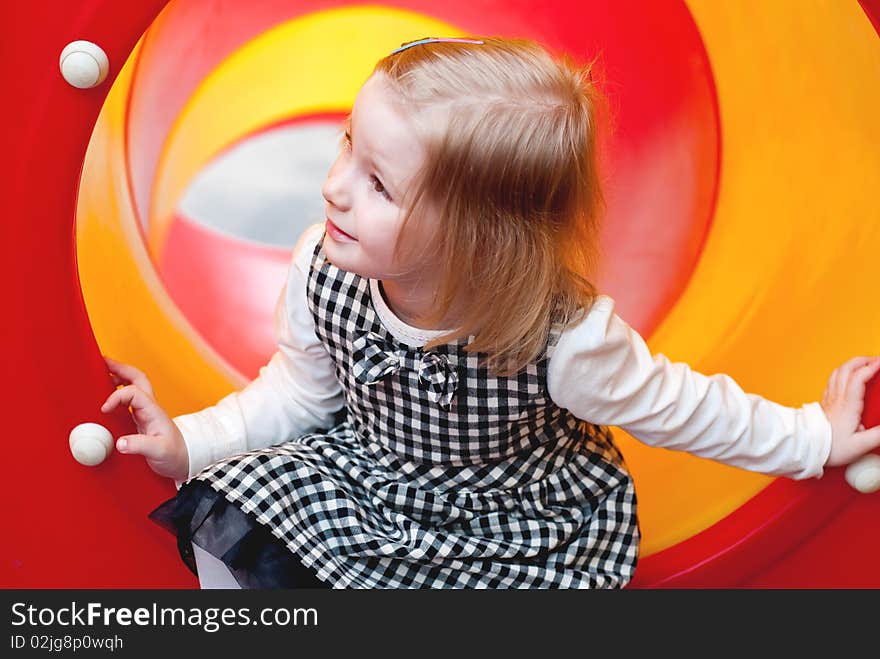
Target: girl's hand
160,441
843,403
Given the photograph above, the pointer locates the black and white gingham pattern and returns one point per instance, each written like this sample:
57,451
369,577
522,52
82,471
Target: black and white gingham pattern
441,475
375,357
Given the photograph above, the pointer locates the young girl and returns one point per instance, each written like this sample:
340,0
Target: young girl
436,414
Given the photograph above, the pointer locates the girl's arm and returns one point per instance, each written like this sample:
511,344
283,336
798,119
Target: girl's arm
603,372
295,393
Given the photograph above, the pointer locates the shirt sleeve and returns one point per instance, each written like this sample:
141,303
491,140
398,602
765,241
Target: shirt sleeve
295,393
603,372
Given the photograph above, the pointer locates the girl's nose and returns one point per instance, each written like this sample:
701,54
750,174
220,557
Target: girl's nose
334,188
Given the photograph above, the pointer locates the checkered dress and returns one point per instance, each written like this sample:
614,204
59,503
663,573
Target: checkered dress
441,475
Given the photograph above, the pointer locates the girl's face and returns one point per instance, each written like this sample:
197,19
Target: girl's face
378,162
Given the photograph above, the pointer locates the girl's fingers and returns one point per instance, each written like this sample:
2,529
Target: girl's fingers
144,445
847,369
859,378
127,373
867,440
128,395
832,382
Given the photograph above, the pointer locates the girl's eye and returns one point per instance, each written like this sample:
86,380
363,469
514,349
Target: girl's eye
378,187
374,181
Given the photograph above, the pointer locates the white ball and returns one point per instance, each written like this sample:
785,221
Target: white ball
90,444
864,473
84,64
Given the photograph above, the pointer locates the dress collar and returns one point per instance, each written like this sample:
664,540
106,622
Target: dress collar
412,336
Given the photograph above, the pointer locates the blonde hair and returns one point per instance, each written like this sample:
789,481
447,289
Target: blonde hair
512,171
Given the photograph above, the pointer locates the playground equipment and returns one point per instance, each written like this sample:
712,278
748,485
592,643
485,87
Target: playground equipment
741,238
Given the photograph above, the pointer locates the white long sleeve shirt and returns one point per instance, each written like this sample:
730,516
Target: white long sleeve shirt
601,370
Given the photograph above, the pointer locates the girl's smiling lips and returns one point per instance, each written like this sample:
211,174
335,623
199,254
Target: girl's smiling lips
338,234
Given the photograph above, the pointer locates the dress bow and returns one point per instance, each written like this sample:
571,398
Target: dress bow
375,358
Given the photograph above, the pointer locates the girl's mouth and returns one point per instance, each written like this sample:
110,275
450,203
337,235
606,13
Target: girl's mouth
338,234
